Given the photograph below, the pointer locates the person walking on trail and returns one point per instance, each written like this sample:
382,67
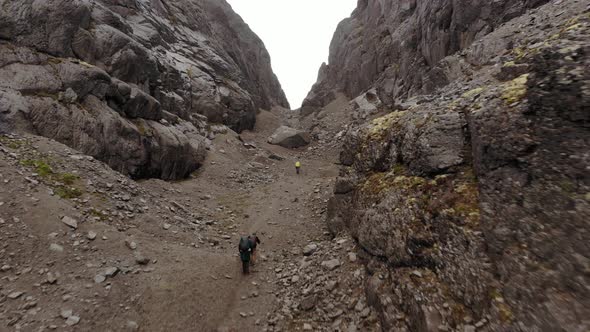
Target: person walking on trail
247,248
254,241
297,166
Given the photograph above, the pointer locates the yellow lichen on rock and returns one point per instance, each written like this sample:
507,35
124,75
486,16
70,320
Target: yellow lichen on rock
515,90
472,93
379,183
379,126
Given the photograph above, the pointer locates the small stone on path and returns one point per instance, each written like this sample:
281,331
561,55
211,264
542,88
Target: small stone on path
72,320
99,278
66,313
56,247
71,222
131,244
310,249
141,259
132,326
331,264
15,295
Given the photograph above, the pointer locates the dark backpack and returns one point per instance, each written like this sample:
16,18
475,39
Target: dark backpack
244,243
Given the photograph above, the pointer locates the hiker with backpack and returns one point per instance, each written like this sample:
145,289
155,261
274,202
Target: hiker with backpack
247,248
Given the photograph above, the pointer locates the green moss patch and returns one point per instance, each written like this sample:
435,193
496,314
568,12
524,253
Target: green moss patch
68,192
41,167
62,183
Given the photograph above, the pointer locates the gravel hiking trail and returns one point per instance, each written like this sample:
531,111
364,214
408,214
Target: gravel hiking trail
207,292
171,247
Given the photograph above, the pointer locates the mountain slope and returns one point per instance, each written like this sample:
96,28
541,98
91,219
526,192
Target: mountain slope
129,82
399,45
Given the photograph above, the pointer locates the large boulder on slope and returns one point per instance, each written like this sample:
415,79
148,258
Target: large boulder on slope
289,137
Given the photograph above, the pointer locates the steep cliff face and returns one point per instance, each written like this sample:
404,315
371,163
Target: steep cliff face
133,83
471,203
399,45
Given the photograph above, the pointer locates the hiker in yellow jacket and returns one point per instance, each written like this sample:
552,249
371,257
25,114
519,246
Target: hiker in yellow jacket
297,166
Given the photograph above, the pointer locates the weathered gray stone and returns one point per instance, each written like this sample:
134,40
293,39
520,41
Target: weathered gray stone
131,325
331,264
72,320
71,222
15,295
56,247
289,137
141,259
66,313
309,249
308,303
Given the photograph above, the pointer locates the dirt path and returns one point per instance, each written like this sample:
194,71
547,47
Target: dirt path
186,232
206,291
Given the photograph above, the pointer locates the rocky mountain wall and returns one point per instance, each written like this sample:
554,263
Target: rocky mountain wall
398,46
471,203
133,83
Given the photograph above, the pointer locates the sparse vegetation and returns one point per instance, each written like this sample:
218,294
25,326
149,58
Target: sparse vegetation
68,178
62,183
11,143
66,192
98,214
515,90
41,167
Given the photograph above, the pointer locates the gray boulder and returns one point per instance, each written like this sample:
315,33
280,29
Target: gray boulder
289,137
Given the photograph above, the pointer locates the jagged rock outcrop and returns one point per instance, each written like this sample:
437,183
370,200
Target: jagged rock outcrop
132,83
398,46
471,204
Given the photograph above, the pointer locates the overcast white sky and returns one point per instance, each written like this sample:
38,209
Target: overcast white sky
297,34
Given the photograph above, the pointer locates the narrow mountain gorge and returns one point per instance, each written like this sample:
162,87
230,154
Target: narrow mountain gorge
465,173
445,180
